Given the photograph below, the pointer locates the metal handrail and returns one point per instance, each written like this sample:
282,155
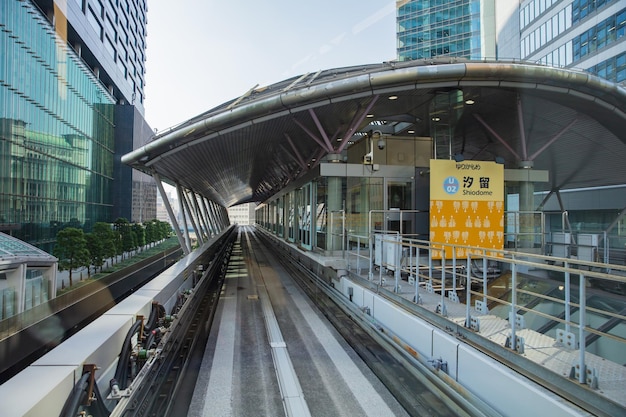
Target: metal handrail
420,250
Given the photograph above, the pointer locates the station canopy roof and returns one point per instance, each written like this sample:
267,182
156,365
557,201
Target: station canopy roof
567,122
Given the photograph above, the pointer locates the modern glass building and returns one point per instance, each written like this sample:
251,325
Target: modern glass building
428,29
589,35
585,34
64,98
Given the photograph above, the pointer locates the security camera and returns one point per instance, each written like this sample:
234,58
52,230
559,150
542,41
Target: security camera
377,134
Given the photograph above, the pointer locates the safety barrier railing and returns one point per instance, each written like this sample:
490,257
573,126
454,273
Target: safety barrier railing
525,229
579,292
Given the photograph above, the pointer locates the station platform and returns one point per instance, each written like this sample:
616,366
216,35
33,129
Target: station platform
270,351
541,349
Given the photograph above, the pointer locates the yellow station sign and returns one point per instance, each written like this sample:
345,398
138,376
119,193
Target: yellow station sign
466,205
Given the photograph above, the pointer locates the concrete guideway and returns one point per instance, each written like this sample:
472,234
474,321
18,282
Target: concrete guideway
316,373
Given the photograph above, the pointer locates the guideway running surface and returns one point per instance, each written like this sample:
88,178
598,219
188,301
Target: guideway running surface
238,375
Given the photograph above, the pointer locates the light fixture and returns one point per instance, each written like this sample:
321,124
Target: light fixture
469,102
435,119
370,116
410,132
392,97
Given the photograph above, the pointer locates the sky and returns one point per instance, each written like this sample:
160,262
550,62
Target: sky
202,53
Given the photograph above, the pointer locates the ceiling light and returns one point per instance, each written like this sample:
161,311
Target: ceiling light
392,97
435,119
411,132
370,115
469,101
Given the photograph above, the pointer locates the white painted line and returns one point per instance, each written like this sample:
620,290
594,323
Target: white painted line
369,399
290,388
219,388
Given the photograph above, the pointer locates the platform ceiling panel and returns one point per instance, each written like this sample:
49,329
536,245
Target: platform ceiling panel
573,125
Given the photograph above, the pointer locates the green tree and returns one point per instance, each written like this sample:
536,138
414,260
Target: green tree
140,234
96,251
71,249
124,239
165,229
107,236
151,231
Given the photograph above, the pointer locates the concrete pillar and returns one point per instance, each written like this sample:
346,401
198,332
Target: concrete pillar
365,207
334,203
526,207
16,279
50,275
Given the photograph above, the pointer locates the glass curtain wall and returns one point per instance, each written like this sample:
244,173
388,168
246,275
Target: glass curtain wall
304,216
364,194
428,29
399,197
56,132
320,212
313,215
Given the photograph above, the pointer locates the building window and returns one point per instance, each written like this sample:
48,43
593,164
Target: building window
601,35
95,24
109,46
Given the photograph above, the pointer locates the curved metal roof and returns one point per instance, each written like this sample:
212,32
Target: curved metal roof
574,125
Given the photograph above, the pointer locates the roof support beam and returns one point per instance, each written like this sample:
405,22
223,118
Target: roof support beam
224,217
246,94
190,215
498,137
614,223
545,200
566,224
215,215
185,212
329,146
170,212
200,218
205,217
295,150
356,122
554,138
522,130
312,135
210,222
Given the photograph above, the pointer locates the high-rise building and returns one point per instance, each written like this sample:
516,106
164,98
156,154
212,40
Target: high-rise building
429,29
71,102
585,34
242,214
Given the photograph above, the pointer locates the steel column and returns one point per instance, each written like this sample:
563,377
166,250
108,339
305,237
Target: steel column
170,213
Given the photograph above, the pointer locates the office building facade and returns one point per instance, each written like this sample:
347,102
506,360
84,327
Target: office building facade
584,34
242,214
428,29
71,75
